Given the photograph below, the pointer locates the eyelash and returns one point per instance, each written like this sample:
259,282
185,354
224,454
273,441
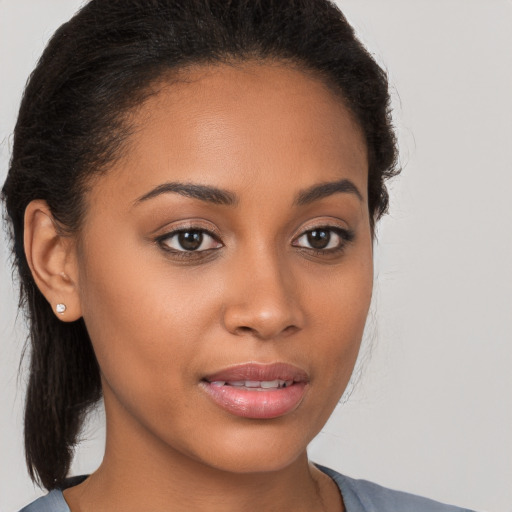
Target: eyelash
163,240
345,237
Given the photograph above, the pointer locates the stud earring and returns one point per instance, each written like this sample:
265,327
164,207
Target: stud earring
60,308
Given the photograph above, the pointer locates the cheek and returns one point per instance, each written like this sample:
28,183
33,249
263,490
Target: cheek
342,298
142,317
339,311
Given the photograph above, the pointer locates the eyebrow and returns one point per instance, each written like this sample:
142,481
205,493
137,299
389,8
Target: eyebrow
317,192
214,195
205,193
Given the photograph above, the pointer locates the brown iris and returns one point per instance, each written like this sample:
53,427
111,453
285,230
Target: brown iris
319,238
190,240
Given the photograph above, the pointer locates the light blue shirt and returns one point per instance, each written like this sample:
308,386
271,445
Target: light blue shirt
358,496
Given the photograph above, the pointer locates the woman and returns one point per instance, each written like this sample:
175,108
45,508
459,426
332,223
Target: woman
193,195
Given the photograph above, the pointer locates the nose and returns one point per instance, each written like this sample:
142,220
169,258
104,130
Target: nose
262,299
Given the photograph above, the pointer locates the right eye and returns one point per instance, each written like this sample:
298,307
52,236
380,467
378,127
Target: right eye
189,240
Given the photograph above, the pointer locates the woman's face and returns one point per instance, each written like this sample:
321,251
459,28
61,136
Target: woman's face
225,267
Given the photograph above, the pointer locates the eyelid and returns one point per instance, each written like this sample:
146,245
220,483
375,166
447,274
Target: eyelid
345,234
322,222
190,224
164,242
171,230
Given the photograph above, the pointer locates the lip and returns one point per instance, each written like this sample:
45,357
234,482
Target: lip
257,402
260,371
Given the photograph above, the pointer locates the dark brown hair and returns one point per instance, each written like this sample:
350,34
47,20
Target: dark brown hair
71,124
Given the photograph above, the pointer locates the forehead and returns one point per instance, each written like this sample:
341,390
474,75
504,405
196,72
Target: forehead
234,126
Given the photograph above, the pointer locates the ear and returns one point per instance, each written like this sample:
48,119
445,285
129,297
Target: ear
51,257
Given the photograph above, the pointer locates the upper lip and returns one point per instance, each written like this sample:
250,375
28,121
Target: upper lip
260,372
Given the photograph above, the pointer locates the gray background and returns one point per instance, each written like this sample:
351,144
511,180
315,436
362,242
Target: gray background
432,411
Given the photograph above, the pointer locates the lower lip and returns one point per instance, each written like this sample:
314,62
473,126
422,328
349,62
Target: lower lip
256,403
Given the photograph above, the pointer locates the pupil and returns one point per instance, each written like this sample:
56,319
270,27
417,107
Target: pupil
319,238
190,240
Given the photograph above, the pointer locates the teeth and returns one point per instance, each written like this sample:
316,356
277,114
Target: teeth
263,384
238,383
266,384
218,383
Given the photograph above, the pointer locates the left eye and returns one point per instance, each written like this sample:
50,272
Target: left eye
323,238
189,240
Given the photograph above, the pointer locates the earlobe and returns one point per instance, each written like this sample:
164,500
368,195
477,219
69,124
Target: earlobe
51,257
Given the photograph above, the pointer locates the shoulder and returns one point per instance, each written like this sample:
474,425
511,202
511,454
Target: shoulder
364,496
54,501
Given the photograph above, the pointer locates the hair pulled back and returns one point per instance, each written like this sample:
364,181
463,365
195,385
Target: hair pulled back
72,123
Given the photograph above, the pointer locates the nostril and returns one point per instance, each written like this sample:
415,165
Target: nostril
244,329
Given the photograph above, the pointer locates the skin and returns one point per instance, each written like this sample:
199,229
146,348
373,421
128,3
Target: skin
160,320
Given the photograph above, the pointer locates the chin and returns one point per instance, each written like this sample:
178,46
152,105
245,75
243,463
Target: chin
260,449
247,462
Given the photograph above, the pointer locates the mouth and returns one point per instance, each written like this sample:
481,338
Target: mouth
257,391
255,385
